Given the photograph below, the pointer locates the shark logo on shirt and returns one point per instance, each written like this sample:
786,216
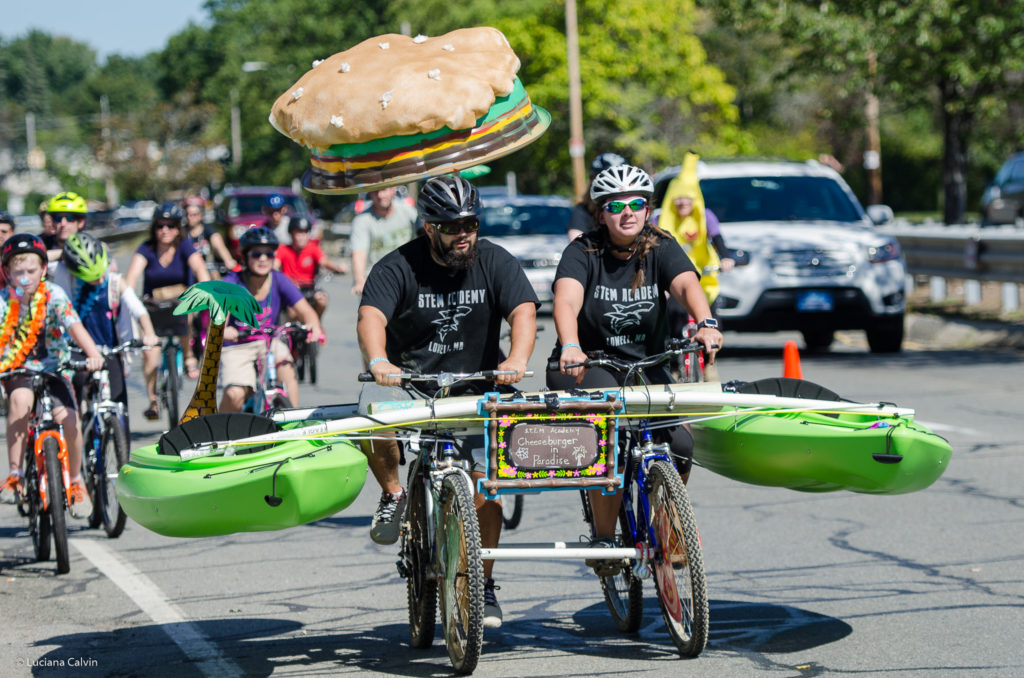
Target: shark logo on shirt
625,316
449,320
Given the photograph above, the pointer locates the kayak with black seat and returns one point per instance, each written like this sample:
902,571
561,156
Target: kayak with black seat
263,487
819,451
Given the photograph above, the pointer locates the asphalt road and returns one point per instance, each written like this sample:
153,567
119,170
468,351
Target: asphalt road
800,584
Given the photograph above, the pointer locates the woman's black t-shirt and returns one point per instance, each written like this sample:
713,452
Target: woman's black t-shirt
441,319
615,318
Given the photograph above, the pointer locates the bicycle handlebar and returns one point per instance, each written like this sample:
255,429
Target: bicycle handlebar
447,378
602,359
292,326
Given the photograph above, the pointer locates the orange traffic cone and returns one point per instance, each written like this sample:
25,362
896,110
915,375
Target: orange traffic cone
791,361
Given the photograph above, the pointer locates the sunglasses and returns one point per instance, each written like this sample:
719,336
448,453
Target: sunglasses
261,254
616,206
456,227
57,218
171,227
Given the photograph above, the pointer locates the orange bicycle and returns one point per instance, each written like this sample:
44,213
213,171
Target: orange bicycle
47,479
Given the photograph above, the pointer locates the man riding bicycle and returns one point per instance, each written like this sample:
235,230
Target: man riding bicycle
436,304
274,292
302,260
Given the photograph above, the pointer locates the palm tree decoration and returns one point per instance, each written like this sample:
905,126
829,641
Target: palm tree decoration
220,299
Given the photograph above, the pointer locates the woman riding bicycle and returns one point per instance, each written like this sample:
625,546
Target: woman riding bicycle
164,262
205,238
38,319
274,292
609,296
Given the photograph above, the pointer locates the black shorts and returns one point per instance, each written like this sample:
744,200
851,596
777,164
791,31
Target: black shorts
60,389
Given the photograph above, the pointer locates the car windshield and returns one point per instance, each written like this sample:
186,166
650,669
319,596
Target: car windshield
253,204
775,198
502,220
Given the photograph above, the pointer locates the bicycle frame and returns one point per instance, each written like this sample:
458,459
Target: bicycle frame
268,387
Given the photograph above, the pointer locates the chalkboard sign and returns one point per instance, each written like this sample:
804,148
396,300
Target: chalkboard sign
534,445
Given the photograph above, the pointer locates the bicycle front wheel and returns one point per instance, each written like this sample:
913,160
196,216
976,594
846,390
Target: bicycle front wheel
312,349
38,519
462,574
420,582
114,452
678,562
56,495
171,384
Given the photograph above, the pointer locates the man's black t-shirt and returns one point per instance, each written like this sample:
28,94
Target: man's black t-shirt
614,317
441,319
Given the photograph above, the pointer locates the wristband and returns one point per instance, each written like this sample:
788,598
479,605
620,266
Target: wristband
375,361
565,346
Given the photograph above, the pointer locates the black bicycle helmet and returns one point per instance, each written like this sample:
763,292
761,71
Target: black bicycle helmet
23,243
300,224
447,198
254,237
604,161
168,212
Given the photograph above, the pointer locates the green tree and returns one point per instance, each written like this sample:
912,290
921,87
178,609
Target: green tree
958,56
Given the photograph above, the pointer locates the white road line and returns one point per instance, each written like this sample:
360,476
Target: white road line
937,427
155,604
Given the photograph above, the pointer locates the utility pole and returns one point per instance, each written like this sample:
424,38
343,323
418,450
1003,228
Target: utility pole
873,153
112,195
576,146
236,131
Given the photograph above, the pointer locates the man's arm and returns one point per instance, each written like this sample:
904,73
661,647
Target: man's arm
371,329
523,322
359,259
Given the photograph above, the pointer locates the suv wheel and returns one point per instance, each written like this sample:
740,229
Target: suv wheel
887,336
818,340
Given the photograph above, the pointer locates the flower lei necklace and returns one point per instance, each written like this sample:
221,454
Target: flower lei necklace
21,337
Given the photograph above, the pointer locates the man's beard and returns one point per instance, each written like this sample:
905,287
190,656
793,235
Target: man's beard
460,261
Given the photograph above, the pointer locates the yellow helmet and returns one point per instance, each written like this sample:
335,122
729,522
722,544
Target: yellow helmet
67,202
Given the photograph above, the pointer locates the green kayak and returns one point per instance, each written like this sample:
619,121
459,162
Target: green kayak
822,452
273,488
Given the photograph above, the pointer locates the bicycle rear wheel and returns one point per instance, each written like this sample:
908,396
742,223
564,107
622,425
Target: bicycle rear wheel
420,582
57,499
38,519
462,574
678,563
511,511
114,452
170,393
624,591
312,352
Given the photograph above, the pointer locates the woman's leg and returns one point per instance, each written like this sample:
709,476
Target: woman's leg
150,364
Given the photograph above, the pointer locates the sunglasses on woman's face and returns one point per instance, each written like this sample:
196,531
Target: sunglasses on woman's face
261,254
616,206
170,227
456,227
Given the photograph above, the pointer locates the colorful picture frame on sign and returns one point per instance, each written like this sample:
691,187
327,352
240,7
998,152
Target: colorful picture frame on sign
531,446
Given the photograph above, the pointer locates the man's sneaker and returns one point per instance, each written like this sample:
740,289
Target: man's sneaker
81,504
10,491
492,611
388,518
604,568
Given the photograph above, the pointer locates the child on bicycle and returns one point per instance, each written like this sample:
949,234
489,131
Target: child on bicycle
38,319
275,293
99,296
302,260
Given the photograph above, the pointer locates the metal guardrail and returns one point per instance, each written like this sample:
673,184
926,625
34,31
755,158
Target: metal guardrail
968,252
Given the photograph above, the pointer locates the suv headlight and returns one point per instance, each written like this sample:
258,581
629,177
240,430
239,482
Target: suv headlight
886,252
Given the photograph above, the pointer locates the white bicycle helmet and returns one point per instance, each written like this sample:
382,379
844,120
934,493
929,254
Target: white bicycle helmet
621,180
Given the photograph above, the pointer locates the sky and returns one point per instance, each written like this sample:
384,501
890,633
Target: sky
126,27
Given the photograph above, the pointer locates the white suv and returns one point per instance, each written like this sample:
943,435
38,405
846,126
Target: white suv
808,256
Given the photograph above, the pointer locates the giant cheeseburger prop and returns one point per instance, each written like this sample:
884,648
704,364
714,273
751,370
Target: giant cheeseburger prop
394,109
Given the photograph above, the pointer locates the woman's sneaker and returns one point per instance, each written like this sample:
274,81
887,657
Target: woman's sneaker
388,519
81,504
492,611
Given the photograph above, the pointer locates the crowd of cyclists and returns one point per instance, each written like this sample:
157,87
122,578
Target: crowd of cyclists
431,302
